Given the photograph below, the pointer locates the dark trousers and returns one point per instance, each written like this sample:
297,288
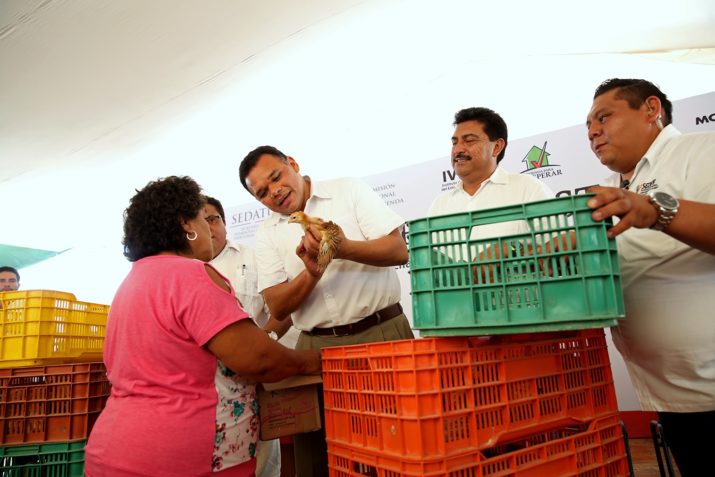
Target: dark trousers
311,448
691,438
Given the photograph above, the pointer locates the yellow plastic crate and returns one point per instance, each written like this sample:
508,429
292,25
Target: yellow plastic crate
40,327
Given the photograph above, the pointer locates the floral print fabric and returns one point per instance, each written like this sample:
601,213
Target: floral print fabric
236,420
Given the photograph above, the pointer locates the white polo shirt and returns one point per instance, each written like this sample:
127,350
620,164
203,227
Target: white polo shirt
502,188
238,264
348,291
668,335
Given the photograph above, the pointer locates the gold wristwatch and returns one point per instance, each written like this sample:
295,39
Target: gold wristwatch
666,205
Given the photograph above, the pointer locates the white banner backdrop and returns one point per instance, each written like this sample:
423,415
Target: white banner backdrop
561,158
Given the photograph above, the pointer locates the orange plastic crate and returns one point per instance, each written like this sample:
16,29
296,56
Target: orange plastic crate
438,397
595,450
40,327
51,403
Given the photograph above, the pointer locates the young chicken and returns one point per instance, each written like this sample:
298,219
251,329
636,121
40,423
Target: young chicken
329,236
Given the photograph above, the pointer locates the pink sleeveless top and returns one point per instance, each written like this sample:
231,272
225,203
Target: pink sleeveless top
174,410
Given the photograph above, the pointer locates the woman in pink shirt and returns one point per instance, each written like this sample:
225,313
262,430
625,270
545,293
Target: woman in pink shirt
180,353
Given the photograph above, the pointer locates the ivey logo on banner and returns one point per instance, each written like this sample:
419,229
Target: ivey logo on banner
449,180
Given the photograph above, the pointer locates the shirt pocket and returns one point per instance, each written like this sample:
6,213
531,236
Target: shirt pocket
247,293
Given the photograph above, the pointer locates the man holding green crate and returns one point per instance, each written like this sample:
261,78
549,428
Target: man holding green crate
663,195
478,145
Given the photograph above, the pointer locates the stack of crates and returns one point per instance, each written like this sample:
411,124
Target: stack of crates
469,406
513,377
53,384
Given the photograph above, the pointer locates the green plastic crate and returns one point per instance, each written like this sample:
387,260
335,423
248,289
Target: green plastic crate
461,286
62,459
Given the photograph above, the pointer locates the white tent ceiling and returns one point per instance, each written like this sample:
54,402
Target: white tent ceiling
97,97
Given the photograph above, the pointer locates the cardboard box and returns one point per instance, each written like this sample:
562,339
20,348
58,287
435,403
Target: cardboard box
289,407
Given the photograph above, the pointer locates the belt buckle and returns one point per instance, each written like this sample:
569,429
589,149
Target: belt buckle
378,318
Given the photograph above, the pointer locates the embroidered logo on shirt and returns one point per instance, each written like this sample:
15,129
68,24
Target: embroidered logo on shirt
646,187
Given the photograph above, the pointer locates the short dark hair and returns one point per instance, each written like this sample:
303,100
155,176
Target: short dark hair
215,202
494,125
12,270
249,162
152,222
635,92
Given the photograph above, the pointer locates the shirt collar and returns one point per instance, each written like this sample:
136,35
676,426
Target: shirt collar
228,245
317,190
651,155
663,138
499,176
235,246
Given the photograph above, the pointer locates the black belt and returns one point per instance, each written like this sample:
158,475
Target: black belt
376,318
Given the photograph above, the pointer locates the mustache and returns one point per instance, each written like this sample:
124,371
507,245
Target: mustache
462,155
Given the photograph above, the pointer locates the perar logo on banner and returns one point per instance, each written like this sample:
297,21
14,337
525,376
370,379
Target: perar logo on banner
538,163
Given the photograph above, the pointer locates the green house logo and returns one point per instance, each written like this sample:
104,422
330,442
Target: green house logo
536,158
538,163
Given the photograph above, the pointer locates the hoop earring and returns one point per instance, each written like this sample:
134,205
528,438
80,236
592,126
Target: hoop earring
659,123
192,238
